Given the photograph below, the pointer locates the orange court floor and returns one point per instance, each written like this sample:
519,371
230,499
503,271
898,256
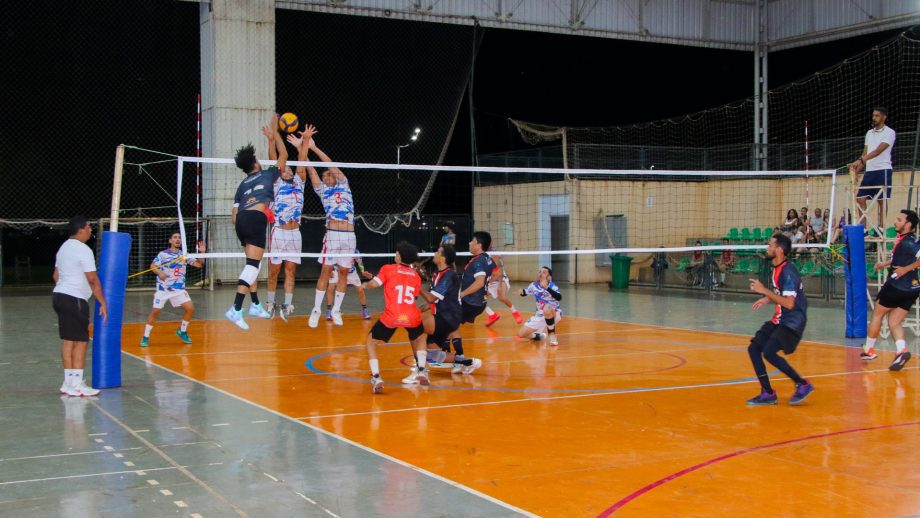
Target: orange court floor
634,419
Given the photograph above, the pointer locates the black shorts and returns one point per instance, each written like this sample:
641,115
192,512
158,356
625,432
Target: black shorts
251,226
384,333
73,317
895,298
470,312
442,328
783,337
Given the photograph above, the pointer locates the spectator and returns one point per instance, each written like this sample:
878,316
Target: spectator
659,265
818,227
791,224
838,230
726,261
799,235
696,266
449,238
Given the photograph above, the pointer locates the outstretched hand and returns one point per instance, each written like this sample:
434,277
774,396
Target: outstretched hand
295,140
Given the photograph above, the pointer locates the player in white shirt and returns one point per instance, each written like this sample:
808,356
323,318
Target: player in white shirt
335,194
75,281
549,310
169,267
285,236
876,161
497,288
352,280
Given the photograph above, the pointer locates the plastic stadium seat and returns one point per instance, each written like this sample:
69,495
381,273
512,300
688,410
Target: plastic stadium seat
683,264
767,233
891,233
732,234
757,235
808,268
746,234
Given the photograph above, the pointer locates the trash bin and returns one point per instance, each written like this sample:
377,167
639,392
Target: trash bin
619,271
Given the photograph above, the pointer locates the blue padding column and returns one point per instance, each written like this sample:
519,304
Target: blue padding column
855,250
113,274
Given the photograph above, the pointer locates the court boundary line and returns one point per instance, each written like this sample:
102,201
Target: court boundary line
348,441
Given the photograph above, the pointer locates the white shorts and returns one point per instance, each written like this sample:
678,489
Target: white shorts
538,322
338,242
493,286
353,279
285,242
175,297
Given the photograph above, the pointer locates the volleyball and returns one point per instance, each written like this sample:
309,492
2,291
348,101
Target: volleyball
288,123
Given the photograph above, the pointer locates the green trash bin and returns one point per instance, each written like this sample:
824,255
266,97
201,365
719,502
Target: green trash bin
619,271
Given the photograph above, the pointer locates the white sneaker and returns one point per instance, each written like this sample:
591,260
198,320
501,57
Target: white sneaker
81,390
314,317
411,379
377,384
457,365
422,377
468,369
269,308
237,318
285,311
553,340
337,318
63,389
255,310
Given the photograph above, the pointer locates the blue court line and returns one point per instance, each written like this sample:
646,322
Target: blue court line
309,364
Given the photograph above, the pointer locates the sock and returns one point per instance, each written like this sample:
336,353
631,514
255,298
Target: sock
270,298
76,377
901,345
489,311
870,344
764,380
318,302
328,307
68,376
363,306
339,297
458,346
254,295
288,298
238,302
421,357
147,329
513,309
375,367
184,326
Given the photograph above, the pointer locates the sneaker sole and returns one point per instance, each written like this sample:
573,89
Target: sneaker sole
489,324
898,365
867,358
424,381
378,389
771,403
799,402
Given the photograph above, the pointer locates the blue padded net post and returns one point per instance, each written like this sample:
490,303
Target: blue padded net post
113,274
855,249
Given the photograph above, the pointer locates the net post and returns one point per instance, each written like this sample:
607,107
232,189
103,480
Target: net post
180,165
856,293
116,187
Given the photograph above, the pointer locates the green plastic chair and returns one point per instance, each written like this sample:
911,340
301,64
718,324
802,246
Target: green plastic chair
891,233
746,234
732,234
741,266
757,235
683,264
808,268
767,233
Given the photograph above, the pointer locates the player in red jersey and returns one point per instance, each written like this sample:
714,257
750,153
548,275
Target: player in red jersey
401,285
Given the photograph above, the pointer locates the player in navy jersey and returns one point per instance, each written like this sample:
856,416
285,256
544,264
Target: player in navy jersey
251,215
334,192
900,290
547,296
169,266
473,283
784,331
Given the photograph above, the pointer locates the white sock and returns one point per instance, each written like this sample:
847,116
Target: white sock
270,298
489,311
901,345
147,329
184,326
870,343
339,297
318,303
288,298
375,366
68,376
77,377
421,358
513,309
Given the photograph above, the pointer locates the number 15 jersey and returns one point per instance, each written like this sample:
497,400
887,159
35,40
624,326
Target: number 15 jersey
401,285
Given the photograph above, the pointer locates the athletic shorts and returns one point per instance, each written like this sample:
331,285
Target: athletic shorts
175,297
384,333
442,328
493,286
73,317
876,181
470,312
785,338
352,279
338,242
250,227
538,322
285,242
894,298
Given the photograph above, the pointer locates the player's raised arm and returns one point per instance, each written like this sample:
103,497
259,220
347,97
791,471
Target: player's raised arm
302,143
339,175
282,155
270,134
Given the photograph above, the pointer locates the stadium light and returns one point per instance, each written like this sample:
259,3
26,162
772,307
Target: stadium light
412,140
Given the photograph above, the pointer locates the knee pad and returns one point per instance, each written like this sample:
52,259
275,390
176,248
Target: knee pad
436,356
250,273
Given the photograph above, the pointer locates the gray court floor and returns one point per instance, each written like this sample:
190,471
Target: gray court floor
163,445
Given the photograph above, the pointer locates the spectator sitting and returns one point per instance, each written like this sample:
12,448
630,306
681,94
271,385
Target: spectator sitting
799,236
726,262
791,224
696,266
838,230
818,227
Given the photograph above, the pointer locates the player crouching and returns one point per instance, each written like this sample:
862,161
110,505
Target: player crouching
549,310
401,285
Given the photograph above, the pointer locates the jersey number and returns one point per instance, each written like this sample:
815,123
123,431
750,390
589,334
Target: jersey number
338,198
406,294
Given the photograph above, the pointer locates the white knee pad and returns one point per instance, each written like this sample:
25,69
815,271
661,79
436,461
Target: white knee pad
250,274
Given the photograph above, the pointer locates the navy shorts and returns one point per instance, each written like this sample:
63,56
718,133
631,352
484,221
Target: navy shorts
876,181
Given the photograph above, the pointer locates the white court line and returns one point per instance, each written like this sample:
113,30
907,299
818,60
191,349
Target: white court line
271,477
165,492
153,482
118,455
65,454
350,442
613,392
141,431
95,434
103,474
221,424
260,421
180,503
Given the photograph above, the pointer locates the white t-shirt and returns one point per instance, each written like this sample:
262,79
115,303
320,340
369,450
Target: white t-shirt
873,139
73,260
